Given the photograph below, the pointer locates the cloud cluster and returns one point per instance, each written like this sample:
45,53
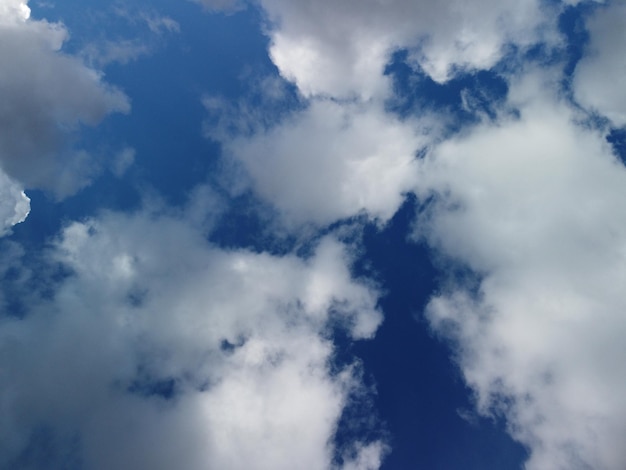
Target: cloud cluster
140,345
533,204
46,96
344,153
341,50
159,351
528,200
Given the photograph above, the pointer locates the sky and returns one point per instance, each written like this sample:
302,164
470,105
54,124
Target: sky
283,234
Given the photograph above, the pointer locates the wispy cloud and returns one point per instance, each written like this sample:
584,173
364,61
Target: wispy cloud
120,52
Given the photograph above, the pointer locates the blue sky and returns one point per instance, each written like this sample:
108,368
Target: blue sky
284,234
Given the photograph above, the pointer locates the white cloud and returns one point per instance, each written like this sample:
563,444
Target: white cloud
341,157
530,202
332,160
14,204
240,336
596,81
14,11
534,205
46,96
341,49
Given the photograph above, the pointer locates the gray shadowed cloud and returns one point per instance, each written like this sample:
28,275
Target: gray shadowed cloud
597,75
46,97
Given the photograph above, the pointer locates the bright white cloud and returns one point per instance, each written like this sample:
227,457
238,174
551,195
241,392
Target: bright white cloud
530,202
46,95
240,335
332,160
341,49
599,75
14,11
534,205
14,204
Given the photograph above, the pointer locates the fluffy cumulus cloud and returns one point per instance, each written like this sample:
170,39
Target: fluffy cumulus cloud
596,83
332,160
533,204
342,49
160,351
46,96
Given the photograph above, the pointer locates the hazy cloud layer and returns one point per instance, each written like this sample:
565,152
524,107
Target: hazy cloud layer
160,351
533,204
46,96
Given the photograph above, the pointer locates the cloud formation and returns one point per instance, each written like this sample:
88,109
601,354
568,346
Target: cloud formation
137,344
341,50
528,200
46,96
332,161
160,351
532,204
